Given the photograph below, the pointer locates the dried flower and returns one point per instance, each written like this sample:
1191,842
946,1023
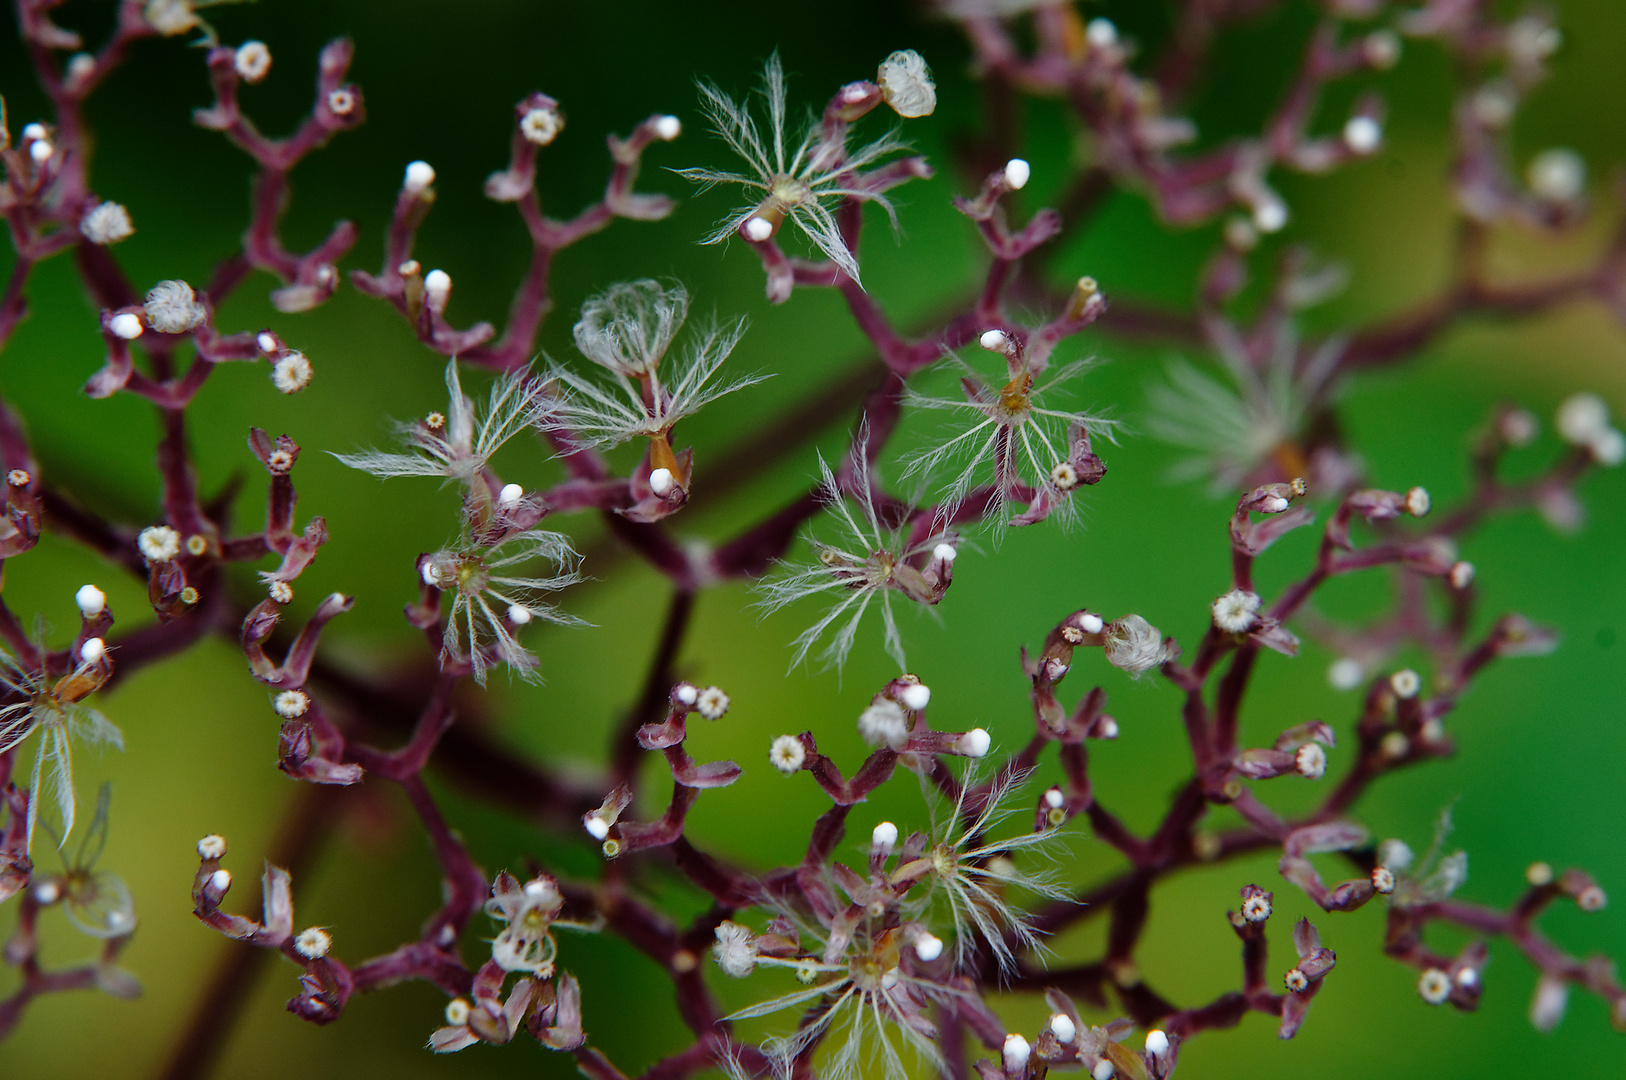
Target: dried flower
172,308
106,223
867,563
906,84
735,950
1236,611
798,186
1134,645
485,592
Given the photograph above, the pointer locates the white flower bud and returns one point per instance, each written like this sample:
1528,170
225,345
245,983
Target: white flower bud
596,826
1548,1005
1104,1070
1558,175
668,128
1345,673
253,61
1270,215
1405,683
220,880
1382,49
1063,1028
787,754
687,693
91,600
928,947
1363,134
1418,502
457,1012
510,494
292,373
437,289
1017,173
758,229
1016,1053
1157,1043
1461,575
1090,624
1310,761
1608,448
419,175
916,696
212,846
126,325
40,150
1581,418
80,67
1434,986
1054,798
92,650
108,223
1101,33
975,743
884,838
994,341
946,552
1236,611
661,482
518,614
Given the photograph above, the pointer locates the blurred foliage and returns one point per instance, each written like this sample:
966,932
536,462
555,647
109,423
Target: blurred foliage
1539,771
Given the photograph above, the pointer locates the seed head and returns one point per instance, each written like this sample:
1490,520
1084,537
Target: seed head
172,308
906,84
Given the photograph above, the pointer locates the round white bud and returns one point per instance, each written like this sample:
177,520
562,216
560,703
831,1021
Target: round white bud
596,826
1157,1043
518,614
1101,33
884,838
92,650
976,743
994,340
758,229
1063,1028
437,288
1017,173
33,131
266,342
661,482
688,694
928,947
916,696
291,373
1405,683
1016,1053
220,880
1581,418
1104,1070
91,600
1090,624
1345,673
510,494
126,325
419,175
40,150
1270,215
457,1012
945,552
1558,175
253,61
1608,448
1363,134
667,128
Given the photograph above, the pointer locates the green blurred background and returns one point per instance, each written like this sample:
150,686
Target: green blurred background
1539,771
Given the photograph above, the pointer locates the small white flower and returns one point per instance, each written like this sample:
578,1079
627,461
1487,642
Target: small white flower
1017,173
1101,33
1270,215
946,552
668,128
80,67
126,325
1609,448
1363,134
1015,1053
1236,611
1104,1070
1405,683
159,543
928,947
1558,175
220,880
419,176
1581,418
313,943
291,704
1054,798
291,373
1256,909
1063,1028
687,693
1063,476
1383,879
92,651
341,101
253,61
906,84
884,723
1461,575
976,743
518,614
212,846
1547,1007
995,341
91,600
1434,987
712,703
1134,645
172,308
1295,980
541,126
916,696
170,17
108,223
758,229
787,754
1345,673
1418,502
457,1012
281,592
1311,761
661,481
736,950
510,494
1157,1043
